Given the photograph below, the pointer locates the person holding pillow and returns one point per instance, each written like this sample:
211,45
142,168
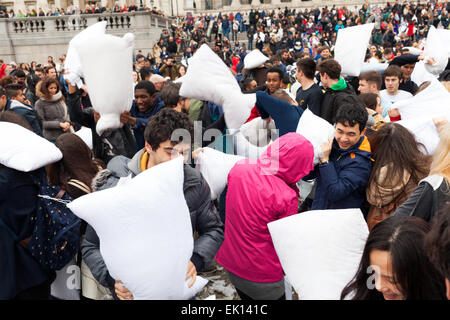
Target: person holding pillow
395,266
51,109
259,193
160,148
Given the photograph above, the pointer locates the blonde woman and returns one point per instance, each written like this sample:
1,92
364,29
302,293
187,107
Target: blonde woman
433,192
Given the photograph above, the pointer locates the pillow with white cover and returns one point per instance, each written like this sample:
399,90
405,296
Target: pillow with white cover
86,135
320,251
209,79
23,150
72,63
351,46
111,90
215,167
436,49
145,232
425,132
254,59
316,130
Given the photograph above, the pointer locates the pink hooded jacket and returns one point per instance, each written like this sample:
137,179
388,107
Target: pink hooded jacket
259,193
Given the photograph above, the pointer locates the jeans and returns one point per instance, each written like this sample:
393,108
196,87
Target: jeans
250,44
234,35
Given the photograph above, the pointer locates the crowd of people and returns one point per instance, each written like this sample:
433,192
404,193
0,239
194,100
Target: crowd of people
373,162
70,10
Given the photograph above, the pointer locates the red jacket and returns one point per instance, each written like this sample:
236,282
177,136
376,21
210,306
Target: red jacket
3,70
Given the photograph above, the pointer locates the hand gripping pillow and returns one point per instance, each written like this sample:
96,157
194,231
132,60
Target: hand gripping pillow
23,150
351,46
254,59
208,78
215,166
145,232
433,101
107,68
72,63
316,130
320,251
436,49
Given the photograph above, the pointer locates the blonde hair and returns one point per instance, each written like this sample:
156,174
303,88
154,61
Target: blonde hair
441,157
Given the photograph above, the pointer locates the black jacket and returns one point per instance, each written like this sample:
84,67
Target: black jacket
112,142
333,99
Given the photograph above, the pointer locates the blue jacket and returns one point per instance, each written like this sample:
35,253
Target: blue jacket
225,25
342,182
285,115
142,119
27,112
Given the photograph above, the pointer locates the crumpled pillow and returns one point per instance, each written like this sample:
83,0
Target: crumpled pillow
320,250
435,48
215,167
257,131
421,74
245,148
433,101
316,130
445,38
72,63
209,79
23,150
107,68
351,46
145,232
86,135
254,59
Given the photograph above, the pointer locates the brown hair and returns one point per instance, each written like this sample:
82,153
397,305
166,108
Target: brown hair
372,77
331,67
12,117
369,100
76,163
42,87
393,71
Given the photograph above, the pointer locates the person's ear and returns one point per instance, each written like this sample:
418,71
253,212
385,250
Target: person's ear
148,147
363,132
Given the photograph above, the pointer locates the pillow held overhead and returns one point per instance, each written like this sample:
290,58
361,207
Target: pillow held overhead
254,59
23,150
145,232
111,90
351,46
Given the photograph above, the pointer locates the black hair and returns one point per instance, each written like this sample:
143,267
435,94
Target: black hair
276,70
20,74
437,242
445,76
352,114
12,89
147,86
307,66
415,277
161,126
286,79
245,83
145,72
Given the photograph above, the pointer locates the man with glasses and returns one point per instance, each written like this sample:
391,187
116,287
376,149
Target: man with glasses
162,144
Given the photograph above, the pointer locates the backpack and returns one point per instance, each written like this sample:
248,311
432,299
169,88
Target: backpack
56,234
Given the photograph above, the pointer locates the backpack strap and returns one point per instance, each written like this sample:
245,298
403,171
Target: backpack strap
80,185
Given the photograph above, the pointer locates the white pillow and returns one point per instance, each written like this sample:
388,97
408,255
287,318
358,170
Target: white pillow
72,63
215,166
425,132
254,59
445,38
320,251
208,78
23,150
316,130
433,101
247,149
413,50
145,232
421,74
86,135
256,131
380,67
111,88
351,46
436,49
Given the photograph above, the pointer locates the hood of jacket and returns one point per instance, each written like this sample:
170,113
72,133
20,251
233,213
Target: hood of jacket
290,158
